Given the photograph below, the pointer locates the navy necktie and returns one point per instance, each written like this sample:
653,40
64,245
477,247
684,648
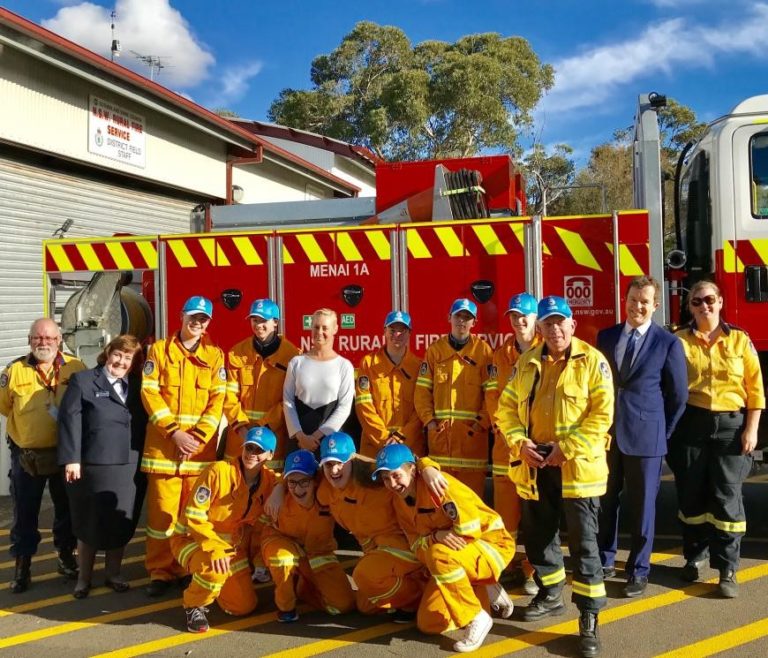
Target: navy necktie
626,362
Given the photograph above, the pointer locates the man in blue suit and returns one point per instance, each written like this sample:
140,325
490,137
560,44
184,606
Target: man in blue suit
651,385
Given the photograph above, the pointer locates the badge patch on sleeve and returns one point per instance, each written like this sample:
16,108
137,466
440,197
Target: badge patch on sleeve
605,369
4,380
363,383
512,374
492,372
223,374
423,368
451,511
202,495
149,367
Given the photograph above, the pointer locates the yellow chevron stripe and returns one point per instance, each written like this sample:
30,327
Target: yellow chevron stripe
490,240
221,257
628,265
149,252
416,245
519,231
118,254
90,258
347,247
545,249
209,247
181,253
247,251
731,262
287,258
761,247
450,241
311,248
60,258
380,244
578,249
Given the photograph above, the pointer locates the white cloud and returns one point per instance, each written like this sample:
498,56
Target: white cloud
598,74
233,83
148,27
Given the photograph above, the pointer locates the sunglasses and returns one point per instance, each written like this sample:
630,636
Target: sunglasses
709,300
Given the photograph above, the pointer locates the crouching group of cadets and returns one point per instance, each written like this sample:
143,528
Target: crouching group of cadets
432,550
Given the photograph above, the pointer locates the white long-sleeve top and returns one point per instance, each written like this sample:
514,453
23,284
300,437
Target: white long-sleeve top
317,383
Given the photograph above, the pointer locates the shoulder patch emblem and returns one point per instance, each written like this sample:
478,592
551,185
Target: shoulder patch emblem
223,374
512,374
363,383
202,495
4,380
451,511
149,367
605,369
423,368
493,371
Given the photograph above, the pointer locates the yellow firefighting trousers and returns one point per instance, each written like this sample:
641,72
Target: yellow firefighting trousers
387,581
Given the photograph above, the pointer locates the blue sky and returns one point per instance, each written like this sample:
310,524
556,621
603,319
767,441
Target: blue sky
239,54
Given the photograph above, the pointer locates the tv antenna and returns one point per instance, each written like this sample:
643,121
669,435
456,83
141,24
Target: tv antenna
154,62
115,49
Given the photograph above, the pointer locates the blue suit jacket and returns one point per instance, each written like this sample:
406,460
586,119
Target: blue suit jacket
95,427
652,399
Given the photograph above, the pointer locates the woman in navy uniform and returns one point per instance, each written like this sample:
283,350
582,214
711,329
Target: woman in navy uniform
101,437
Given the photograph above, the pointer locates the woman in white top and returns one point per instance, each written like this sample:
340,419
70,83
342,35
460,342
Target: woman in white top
319,387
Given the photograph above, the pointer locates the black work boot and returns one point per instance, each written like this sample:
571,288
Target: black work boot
545,604
22,577
66,565
589,643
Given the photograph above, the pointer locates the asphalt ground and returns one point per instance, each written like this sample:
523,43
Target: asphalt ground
673,618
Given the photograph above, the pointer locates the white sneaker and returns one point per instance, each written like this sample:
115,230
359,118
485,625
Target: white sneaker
500,601
530,587
475,633
261,575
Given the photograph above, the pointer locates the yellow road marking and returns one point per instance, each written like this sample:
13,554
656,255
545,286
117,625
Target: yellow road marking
718,643
90,622
342,641
551,633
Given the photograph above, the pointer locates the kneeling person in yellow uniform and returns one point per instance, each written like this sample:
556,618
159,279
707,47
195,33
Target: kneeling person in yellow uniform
299,547
461,541
212,540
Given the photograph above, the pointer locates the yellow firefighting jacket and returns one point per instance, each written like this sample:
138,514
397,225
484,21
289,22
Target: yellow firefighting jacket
182,390
30,403
311,529
222,511
461,511
723,376
384,402
451,387
504,360
369,514
583,416
255,390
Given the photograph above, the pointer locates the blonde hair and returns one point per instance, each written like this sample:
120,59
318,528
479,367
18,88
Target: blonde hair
327,312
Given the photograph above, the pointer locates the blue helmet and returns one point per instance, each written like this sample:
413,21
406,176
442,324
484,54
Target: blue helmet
300,461
263,437
265,308
553,305
523,303
394,317
197,304
392,457
337,447
464,305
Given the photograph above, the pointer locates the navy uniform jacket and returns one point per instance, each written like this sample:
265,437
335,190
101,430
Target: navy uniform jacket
651,401
95,427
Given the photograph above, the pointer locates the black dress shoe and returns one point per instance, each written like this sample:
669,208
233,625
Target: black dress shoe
22,576
157,588
690,572
66,565
82,592
117,584
635,586
589,642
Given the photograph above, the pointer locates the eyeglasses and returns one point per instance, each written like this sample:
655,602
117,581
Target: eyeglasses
44,339
299,484
709,300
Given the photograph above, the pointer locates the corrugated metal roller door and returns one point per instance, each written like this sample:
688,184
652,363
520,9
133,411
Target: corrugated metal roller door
34,202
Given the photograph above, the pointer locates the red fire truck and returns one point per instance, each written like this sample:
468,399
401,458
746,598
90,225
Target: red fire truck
438,231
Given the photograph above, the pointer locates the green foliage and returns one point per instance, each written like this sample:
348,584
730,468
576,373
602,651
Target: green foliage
433,100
